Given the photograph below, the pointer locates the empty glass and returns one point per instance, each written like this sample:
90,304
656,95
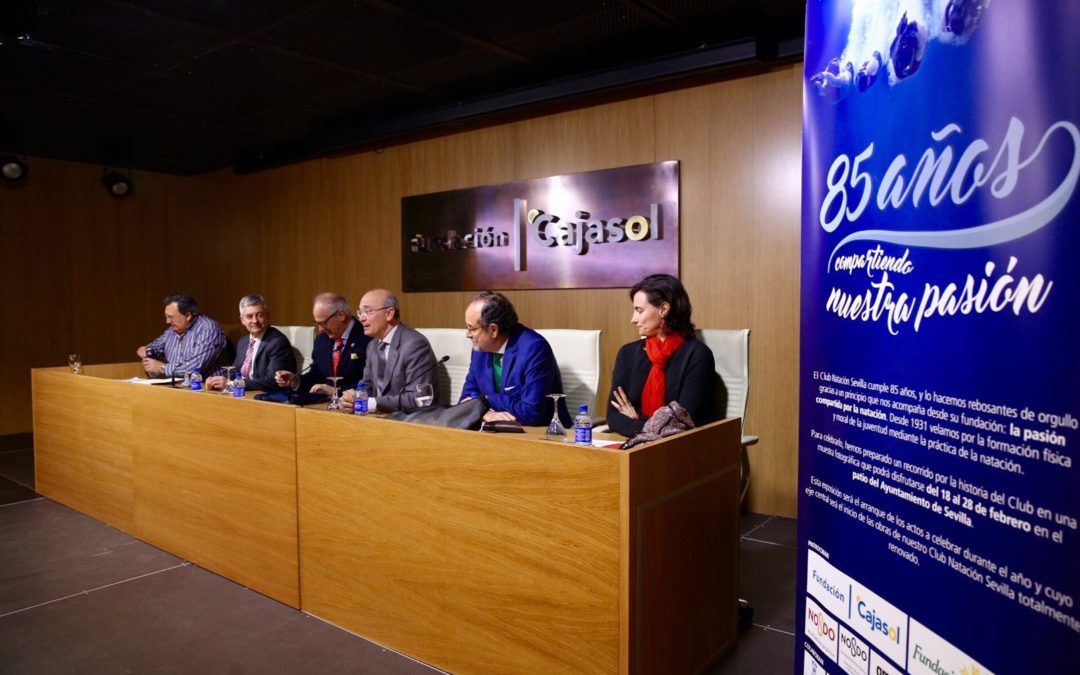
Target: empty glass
228,388
75,363
424,395
555,431
335,402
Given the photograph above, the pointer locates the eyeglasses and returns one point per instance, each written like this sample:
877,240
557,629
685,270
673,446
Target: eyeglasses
368,311
322,324
472,329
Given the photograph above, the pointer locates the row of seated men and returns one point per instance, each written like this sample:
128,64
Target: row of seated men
513,367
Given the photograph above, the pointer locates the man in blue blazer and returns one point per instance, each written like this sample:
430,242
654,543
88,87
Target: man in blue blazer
339,349
512,366
262,352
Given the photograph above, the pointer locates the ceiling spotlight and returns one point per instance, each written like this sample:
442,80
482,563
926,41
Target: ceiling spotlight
12,169
117,184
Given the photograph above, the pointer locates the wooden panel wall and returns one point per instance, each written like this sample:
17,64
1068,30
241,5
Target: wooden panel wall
82,270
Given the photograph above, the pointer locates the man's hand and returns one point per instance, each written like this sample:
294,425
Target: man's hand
215,383
322,389
284,378
153,367
348,400
498,415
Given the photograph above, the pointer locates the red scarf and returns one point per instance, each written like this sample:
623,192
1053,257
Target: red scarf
652,396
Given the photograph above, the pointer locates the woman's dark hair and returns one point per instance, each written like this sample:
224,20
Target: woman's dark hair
661,288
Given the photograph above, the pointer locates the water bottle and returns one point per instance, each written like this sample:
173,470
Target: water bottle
238,385
360,403
583,426
195,380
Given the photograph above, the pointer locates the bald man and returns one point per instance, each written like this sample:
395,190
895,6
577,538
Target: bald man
398,357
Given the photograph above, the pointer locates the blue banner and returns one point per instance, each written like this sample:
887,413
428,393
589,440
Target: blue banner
939,396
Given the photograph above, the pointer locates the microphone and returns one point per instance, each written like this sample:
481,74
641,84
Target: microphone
416,376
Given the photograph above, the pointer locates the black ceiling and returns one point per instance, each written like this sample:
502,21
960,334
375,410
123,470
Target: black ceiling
188,86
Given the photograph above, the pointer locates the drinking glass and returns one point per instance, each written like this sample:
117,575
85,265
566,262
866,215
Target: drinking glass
227,389
424,395
555,431
335,403
75,363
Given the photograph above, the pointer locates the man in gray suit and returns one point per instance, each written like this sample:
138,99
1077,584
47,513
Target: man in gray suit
398,357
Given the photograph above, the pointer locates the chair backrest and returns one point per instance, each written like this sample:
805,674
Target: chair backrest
302,339
453,343
731,351
578,354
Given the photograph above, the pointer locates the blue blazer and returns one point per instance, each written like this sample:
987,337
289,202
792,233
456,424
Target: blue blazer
529,374
351,366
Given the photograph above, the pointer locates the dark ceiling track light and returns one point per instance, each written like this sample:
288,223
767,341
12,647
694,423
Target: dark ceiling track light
12,169
118,184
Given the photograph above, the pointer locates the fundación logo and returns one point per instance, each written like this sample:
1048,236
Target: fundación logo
933,663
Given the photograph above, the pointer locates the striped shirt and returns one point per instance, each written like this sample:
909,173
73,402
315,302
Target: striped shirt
201,346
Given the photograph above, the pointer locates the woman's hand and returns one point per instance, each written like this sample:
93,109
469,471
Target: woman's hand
623,405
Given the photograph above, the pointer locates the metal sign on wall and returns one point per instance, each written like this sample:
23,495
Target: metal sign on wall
598,229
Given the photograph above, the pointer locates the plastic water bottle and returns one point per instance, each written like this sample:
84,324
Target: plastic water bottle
238,385
195,381
360,403
583,426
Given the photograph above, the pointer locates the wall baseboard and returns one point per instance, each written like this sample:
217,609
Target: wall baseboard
23,441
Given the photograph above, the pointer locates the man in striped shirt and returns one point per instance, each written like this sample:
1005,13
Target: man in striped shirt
191,341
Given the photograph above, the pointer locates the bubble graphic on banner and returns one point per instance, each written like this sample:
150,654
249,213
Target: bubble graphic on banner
902,31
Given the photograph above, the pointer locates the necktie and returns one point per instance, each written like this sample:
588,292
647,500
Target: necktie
384,347
496,363
337,353
245,368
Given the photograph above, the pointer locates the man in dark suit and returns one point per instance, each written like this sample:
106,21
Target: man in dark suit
512,366
399,358
338,351
262,352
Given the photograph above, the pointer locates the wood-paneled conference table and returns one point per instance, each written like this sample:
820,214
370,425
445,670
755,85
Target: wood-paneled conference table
472,552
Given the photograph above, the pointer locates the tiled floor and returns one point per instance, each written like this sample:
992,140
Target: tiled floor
79,596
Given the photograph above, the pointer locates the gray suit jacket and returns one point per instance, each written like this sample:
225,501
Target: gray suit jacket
409,362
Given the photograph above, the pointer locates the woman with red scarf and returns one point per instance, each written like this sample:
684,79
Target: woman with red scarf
670,364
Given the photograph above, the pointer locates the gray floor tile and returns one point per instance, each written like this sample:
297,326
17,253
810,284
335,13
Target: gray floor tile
185,620
767,581
759,652
50,552
777,531
11,492
18,466
751,521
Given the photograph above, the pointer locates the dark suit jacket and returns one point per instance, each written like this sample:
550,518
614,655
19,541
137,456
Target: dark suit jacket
529,374
409,362
689,379
275,353
351,367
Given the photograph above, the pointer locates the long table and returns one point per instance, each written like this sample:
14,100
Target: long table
472,552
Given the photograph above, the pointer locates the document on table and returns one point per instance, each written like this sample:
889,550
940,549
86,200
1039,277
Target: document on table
149,380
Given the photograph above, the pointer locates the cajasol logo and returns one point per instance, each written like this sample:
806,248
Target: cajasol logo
875,622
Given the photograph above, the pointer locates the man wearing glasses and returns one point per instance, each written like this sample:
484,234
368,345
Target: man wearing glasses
262,352
512,366
192,340
338,351
399,358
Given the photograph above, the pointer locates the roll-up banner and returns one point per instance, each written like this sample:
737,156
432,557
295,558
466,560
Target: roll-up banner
940,366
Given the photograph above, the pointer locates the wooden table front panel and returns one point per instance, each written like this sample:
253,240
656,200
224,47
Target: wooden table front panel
82,449
481,553
215,482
